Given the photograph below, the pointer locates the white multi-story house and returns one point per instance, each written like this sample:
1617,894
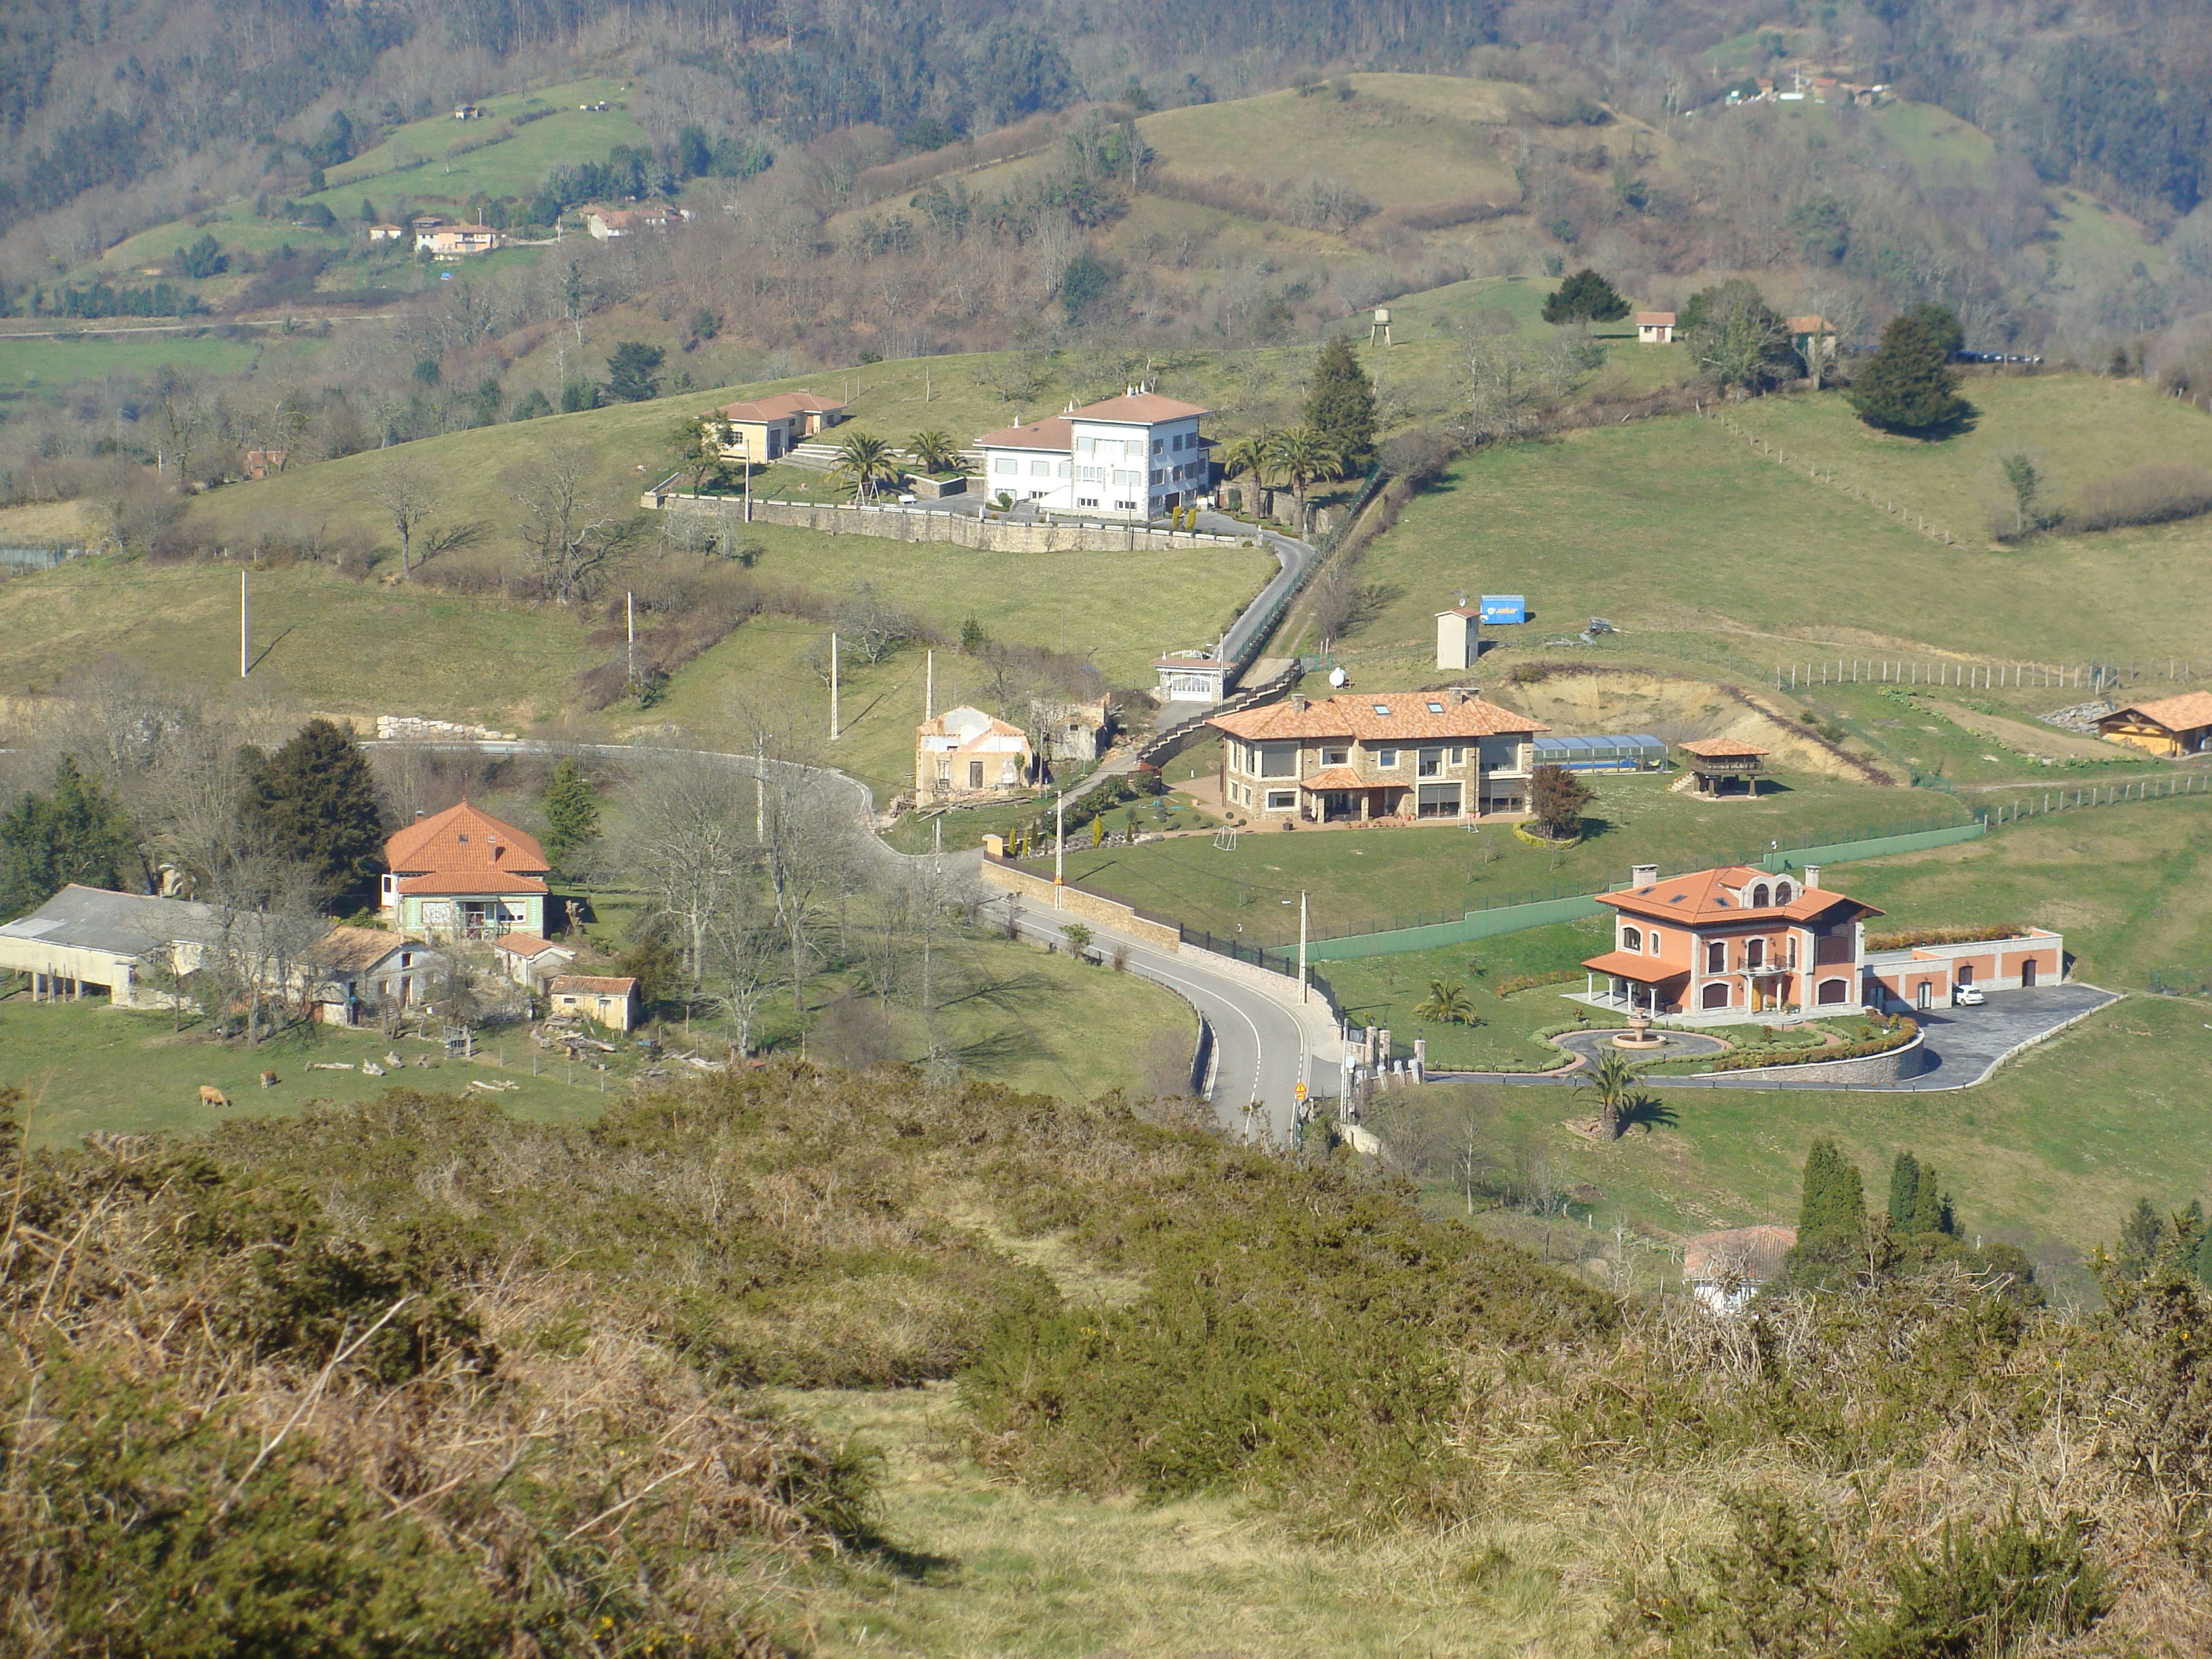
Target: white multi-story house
1133,456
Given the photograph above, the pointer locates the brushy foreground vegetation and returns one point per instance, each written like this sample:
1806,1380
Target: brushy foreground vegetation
415,1377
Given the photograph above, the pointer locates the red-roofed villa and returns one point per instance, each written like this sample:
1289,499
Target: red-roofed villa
461,874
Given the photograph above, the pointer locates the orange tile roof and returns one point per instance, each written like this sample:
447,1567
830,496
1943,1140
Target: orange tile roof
1700,897
464,849
1340,777
1054,433
1754,1253
1137,408
2183,713
1655,319
357,948
1406,716
1720,749
1813,323
529,945
1644,971
591,984
782,406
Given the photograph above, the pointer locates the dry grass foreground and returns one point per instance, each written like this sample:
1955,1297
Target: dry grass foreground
416,1378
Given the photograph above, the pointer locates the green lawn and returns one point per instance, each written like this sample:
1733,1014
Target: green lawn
1384,991
1698,545
1367,879
513,166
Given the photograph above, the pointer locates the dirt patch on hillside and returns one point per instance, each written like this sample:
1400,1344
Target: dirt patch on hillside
41,523
1581,701
2039,742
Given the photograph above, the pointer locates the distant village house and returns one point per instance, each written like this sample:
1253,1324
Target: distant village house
764,429
1134,456
2169,725
610,1002
458,242
463,874
1655,328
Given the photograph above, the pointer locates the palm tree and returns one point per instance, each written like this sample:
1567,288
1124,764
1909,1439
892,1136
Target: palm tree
1613,1082
1302,455
1447,1004
1251,456
864,461
937,450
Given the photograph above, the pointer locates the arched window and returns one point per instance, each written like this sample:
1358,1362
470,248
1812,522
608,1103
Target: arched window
1716,995
1758,896
1631,939
1754,953
1782,893
1832,991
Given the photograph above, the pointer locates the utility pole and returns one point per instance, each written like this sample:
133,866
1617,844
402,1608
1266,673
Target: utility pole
244,664
749,489
1059,852
630,609
760,790
929,686
1302,947
833,688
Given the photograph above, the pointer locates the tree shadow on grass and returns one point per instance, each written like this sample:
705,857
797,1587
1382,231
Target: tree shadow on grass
1648,1113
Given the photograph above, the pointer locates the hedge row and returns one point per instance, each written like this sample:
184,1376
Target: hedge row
1745,1060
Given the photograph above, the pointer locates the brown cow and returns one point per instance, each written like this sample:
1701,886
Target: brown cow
270,1080
210,1096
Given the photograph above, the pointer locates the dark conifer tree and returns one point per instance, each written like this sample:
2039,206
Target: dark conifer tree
1585,297
316,801
1907,385
73,833
1904,1189
1341,407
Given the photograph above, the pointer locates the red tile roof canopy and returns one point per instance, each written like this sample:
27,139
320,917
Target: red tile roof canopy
1379,717
782,406
1713,897
1721,749
2185,712
1137,409
1055,434
464,849
1655,319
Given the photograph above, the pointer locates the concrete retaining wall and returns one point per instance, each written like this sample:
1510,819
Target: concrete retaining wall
1074,900
963,529
1891,1067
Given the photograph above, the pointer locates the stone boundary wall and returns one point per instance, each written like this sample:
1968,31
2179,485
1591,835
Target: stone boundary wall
964,530
1079,902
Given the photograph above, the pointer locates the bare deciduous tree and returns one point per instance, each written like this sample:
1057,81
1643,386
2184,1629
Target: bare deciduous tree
402,494
567,536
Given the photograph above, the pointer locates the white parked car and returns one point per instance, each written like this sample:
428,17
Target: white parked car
1967,996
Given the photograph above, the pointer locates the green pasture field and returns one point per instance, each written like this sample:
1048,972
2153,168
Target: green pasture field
512,166
2077,428
1453,125
32,366
84,1067
319,640
2050,1152
1675,526
1018,1016
1364,880
1384,991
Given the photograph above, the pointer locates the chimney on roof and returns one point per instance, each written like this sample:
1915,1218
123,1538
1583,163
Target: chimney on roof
1812,875
1643,875
418,812
1298,703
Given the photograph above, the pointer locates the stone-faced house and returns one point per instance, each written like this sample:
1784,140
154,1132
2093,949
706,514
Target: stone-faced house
1353,758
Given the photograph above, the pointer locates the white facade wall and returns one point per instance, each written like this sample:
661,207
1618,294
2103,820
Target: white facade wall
1117,470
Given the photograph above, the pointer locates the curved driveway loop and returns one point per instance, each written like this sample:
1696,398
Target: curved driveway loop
1964,1046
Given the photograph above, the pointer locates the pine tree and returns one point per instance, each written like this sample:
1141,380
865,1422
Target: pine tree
1907,385
316,798
1927,1205
1341,407
1585,297
1904,1189
572,812
1835,1204
73,833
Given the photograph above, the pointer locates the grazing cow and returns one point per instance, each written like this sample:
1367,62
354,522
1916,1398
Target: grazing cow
270,1080
210,1096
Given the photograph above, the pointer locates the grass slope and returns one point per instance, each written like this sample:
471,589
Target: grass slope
1676,526
1360,880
